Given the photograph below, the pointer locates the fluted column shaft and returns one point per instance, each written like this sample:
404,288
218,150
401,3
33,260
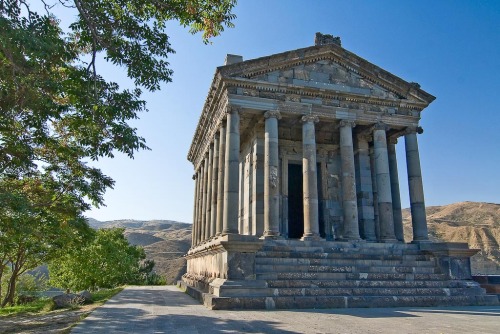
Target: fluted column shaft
209,193
396,197
364,188
215,178
195,210
199,205
204,200
310,178
220,180
349,198
231,172
417,202
271,179
384,193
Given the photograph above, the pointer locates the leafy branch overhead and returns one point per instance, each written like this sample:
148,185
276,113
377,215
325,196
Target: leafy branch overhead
58,113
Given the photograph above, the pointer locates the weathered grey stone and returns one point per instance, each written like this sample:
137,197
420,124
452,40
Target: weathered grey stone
295,145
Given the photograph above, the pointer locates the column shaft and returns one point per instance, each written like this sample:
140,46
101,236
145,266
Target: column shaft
195,207
364,189
231,172
258,186
204,200
209,193
215,183
220,180
310,178
386,218
271,179
198,205
349,198
396,197
417,202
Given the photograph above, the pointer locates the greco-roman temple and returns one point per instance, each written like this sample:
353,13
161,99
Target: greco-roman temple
297,201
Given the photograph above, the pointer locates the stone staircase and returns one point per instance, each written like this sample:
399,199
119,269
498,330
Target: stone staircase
322,274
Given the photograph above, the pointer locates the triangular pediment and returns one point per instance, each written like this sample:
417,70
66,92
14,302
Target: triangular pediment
327,68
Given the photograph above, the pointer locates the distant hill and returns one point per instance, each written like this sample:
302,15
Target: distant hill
164,241
476,223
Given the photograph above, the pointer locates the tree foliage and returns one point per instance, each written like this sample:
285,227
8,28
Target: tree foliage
57,113
105,262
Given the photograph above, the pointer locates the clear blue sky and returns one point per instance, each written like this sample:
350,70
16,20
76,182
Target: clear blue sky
452,48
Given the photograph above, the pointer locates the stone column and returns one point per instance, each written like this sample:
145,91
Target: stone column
204,200
198,204
364,188
220,180
396,197
310,178
375,193
215,179
209,192
271,179
231,172
349,199
193,227
258,185
384,193
417,202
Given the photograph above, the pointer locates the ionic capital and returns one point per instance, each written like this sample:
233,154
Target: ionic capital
413,129
346,122
393,140
365,137
272,114
380,126
231,109
310,118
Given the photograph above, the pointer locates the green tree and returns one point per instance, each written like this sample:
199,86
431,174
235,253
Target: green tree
106,262
57,113
31,234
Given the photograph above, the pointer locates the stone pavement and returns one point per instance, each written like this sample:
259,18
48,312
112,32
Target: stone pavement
165,309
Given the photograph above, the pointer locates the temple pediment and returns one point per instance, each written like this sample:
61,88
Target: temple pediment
328,68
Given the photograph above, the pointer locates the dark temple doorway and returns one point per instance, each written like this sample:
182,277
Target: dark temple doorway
295,202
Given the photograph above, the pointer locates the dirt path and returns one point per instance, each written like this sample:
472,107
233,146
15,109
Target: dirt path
59,321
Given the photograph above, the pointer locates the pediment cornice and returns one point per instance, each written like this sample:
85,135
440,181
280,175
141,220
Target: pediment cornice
331,52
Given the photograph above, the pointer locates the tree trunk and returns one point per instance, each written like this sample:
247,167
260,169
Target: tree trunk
11,289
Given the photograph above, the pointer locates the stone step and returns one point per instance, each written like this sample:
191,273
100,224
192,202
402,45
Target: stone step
339,244
285,268
364,250
341,262
323,255
369,284
315,302
348,276
276,292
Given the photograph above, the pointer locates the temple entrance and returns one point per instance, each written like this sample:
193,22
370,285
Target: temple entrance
295,202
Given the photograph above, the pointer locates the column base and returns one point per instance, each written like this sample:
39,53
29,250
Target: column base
390,241
271,236
312,236
425,241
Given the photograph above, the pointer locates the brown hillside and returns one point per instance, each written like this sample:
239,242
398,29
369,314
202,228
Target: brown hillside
478,224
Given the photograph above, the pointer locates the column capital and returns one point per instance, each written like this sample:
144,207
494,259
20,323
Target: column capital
380,126
231,109
413,129
392,140
310,118
364,137
346,122
272,114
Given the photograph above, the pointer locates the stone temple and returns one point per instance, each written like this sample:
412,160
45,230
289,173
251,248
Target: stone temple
297,201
